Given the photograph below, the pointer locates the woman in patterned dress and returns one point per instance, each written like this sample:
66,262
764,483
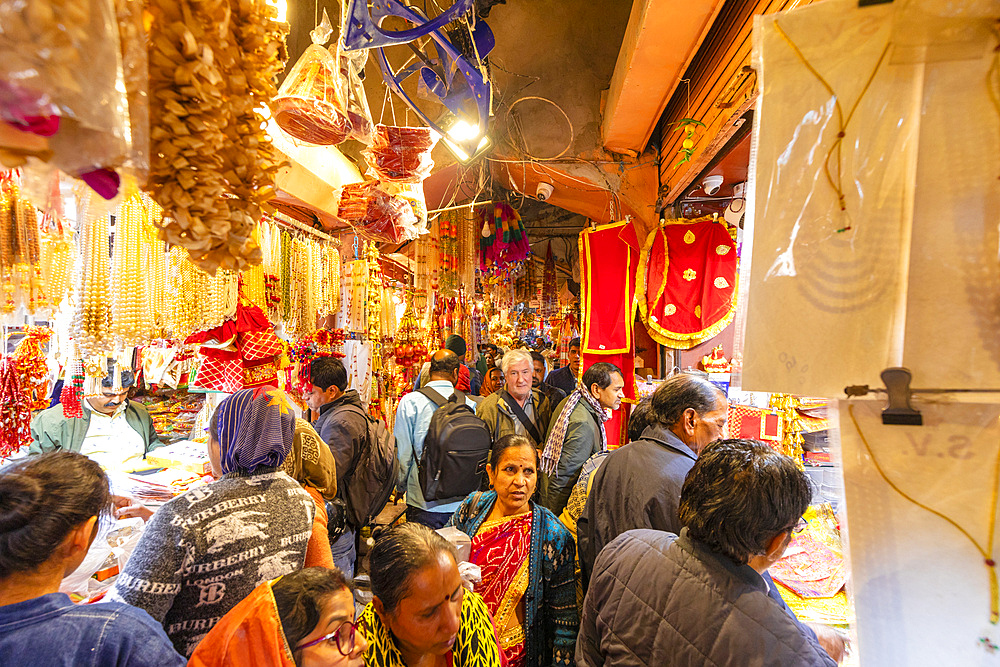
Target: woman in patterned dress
421,615
526,556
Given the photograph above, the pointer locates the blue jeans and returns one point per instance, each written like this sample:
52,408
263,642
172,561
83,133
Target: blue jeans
345,553
433,520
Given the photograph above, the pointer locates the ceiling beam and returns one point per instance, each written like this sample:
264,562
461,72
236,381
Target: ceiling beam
661,39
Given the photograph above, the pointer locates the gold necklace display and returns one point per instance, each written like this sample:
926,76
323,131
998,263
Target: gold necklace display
131,312
91,318
20,251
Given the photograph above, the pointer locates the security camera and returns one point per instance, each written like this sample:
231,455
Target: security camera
544,191
711,184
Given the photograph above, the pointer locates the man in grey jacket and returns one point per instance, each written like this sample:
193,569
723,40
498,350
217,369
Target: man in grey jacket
639,485
704,597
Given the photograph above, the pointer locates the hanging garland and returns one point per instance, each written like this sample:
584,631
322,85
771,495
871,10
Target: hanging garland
504,250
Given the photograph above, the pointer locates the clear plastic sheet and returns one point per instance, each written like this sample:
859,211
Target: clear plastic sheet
921,589
61,77
377,215
903,269
401,154
358,112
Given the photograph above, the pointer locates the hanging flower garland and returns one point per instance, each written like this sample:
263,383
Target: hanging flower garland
15,410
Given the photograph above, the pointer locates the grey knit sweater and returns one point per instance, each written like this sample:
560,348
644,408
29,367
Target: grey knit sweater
204,551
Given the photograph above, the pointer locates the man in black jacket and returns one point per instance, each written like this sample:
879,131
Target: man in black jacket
565,378
704,597
343,425
639,485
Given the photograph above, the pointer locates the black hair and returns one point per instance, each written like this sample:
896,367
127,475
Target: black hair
396,557
127,377
42,499
641,418
509,442
326,372
299,598
444,364
739,495
574,343
683,391
600,374
538,356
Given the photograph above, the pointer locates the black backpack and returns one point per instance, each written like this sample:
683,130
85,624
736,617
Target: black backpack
374,476
456,449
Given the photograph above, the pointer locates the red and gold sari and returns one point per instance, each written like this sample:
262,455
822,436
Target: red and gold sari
500,548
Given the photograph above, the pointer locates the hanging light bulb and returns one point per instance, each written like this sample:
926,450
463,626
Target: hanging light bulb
486,229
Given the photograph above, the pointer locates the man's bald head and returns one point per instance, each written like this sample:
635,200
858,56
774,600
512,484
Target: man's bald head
444,366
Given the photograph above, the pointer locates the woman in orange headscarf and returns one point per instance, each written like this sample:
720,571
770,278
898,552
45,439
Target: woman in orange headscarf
493,382
303,619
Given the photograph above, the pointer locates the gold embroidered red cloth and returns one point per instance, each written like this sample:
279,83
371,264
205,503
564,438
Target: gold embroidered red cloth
687,282
609,258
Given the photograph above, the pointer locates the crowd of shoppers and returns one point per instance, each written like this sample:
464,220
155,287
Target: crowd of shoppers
655,553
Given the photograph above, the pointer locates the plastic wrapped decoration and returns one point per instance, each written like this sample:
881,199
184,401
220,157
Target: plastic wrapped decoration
358,112
504,251
375,214
61,79
413,193
310,105
401,154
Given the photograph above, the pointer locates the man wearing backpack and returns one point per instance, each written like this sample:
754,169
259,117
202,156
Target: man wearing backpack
427,470
359,445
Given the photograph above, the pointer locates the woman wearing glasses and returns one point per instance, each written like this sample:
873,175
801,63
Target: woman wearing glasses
303,619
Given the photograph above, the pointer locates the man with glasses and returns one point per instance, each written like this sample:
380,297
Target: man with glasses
113,431
639,485
704,596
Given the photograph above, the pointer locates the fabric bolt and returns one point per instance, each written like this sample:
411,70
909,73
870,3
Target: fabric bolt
609,257
637,486
500,549
256,428
663,599
249,635
51,431
413,418
687,281
551,621
475,645
218,375
206,550
557,430
51,631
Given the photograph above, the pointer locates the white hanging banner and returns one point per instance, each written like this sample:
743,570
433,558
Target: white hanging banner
921,586
877,198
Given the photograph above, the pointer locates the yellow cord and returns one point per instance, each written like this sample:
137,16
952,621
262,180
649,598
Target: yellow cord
836,185
987,555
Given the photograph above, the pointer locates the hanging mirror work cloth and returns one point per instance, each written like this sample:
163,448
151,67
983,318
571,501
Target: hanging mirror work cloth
609,255
874,214
922,588
687,282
